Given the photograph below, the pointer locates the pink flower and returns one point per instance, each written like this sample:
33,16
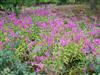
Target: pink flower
13,34
74,30
87,42
1,23
98,25
54,31
39,66
1,43
94,51
42,25
47,54
18,22
29,31
40,58
25,26
78,36
51,22
12,17
27,39
37,70
31,44
64,42
49,41
59,22
70,25
88,48
33,63
97,41
84,50
27,20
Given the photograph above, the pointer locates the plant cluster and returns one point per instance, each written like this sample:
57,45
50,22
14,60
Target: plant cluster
43,43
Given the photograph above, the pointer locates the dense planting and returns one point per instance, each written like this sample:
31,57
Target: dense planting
44,43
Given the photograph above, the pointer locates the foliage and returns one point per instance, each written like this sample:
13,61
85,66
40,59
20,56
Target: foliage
6,58
9,64
92,64
11,5
72,58
82,26
60,2
20,50
14,5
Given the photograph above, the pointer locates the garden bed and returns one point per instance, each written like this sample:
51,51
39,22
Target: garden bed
44,41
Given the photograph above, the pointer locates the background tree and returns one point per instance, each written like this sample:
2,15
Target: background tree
93,4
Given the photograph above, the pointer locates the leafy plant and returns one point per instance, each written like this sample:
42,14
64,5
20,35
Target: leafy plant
21,49
82,26
72,58
11,65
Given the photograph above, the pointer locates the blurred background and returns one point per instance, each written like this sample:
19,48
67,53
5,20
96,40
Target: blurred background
16,5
